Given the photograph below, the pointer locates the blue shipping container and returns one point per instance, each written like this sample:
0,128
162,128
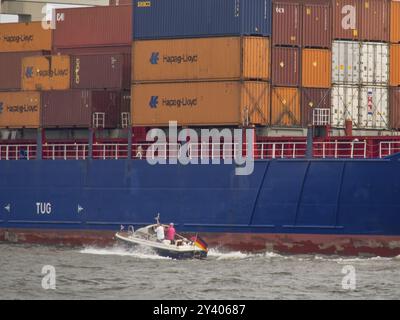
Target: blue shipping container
161,19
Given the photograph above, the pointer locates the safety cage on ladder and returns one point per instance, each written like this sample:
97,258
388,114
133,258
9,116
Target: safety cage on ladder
125,119
99,120
321,116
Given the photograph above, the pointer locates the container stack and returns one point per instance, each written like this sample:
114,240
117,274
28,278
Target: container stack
94,44
19,110
301,39
360,64
201,63
394,93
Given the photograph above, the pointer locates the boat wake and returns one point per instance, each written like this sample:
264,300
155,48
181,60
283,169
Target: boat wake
137,252
221,254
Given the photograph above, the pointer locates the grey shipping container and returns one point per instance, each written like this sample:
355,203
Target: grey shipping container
99,71
10,68
159,19
285,67
82,108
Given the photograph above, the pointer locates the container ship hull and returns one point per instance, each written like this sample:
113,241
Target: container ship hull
346,207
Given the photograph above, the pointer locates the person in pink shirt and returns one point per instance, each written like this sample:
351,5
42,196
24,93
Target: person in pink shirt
171,233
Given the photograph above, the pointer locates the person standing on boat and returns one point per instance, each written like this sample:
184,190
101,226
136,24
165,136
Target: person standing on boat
160,233
171,233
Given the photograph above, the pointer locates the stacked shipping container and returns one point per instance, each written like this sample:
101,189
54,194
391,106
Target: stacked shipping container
86,83
301,37
17,41
394,82
99,55
206,64
360,64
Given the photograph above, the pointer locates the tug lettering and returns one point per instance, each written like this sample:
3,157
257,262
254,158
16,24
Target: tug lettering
43,208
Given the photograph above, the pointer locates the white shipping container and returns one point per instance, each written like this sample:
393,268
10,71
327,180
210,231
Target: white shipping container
374,108
345,62
374,63
344,105
366,107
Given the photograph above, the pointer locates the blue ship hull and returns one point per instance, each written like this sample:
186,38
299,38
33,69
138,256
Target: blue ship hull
300,206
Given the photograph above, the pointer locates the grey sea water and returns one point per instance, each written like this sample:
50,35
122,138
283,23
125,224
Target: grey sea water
118,273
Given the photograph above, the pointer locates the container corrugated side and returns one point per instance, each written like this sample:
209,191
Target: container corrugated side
345,19
46,73
345,103
346,62
100,71
394,109
317,25
395,21
285,107
11,66
395,65
367,107
66,109
373,19
311,99
286,19
374,63
374,108
77,108
16,37
200,59
285,68
200,103
19,109
125,51
316,68
95,26
193,18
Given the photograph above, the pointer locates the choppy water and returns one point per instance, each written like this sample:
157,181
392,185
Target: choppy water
117,273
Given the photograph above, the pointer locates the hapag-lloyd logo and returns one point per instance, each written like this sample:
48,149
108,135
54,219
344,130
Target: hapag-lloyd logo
179,102
52,73
173,59
18,38
24,108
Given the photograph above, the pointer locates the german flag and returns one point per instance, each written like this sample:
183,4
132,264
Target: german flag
200,243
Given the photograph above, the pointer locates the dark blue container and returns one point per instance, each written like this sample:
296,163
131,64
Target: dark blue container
161,19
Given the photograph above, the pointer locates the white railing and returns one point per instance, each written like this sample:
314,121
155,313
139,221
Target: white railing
75,151
340,149
18,152
267,150
387,148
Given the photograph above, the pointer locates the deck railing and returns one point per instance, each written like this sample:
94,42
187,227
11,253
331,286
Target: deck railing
263,150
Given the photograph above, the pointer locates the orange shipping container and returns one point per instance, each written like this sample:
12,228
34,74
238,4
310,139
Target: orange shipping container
19,109
395,22
46,73
285,107
316,68
200,103
30,36
394,74
201,59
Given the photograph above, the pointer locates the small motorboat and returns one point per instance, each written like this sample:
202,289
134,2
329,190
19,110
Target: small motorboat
181,248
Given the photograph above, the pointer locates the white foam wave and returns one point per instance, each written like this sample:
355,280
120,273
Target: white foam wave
140,253
239,255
